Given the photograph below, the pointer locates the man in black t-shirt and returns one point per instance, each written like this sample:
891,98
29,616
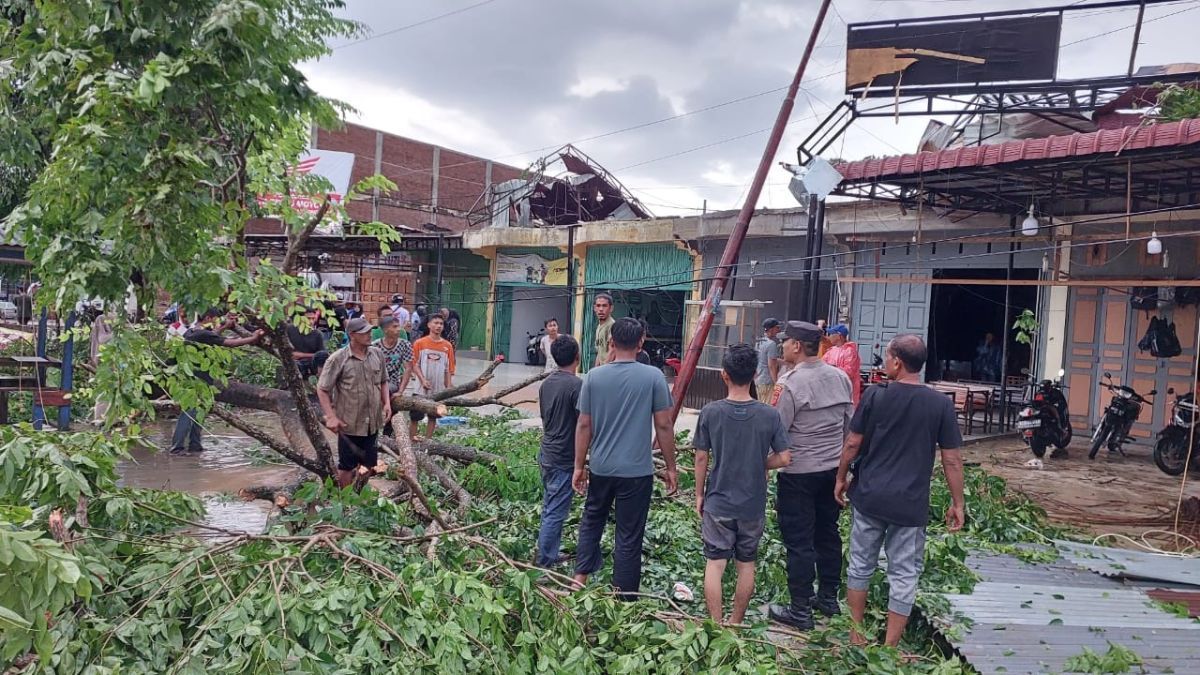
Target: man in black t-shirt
308,348
206,331
895,435
558,401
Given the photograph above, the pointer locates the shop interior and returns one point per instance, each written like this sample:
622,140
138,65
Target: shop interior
964,314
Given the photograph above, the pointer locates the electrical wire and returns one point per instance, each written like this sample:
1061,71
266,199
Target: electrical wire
414,25
604,285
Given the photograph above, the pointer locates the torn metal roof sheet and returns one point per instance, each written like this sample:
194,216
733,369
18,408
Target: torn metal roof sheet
1032,617
1117,562
1189,599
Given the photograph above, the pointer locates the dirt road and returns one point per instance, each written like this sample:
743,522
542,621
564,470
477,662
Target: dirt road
1126,495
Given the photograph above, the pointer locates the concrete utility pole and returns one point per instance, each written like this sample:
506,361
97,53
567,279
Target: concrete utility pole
691,355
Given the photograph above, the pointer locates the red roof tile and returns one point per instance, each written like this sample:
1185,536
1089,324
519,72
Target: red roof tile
1105,141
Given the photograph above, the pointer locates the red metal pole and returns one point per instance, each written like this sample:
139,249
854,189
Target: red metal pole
729,258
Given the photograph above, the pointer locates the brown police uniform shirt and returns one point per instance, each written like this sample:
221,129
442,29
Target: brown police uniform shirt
814,403
353,385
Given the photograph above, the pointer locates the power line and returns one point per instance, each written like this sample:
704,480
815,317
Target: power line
949,240
1132,25
414,25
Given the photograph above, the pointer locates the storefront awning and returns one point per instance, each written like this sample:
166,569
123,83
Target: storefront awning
1128,169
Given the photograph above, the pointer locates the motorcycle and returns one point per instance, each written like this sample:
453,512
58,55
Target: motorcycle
666,358
1179,438
533,349
1122,411
1044,420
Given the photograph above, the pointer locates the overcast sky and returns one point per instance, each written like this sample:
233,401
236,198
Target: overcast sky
511,79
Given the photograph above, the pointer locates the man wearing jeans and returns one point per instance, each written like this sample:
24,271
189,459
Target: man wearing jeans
558,401
895,435
814,401
618,403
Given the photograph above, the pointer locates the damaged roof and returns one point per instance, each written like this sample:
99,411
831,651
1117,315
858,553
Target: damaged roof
565,187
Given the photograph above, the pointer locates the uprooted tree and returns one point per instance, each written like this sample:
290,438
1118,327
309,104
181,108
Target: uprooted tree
147,135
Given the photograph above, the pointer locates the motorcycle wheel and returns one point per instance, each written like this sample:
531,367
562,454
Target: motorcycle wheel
1065,438
1170,454
1098,439
1038,446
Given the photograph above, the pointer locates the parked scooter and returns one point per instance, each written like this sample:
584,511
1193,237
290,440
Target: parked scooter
1044,421
1172,449
533,349
1122,411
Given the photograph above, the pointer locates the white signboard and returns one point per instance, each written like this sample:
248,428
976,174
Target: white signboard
331,165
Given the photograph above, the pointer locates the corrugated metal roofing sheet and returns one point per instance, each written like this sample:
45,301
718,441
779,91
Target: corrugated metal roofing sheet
1033,617
1189,599
1184,132
1007,568
992,648
1117,562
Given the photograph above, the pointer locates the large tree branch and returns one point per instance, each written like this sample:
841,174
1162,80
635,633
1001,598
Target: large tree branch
297,241
458,453
283,449
310,424
494,399
474,385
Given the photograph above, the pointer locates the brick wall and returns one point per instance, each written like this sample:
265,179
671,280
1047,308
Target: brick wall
461,178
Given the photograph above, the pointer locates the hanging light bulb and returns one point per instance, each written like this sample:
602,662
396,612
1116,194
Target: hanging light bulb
1154,246
1030,225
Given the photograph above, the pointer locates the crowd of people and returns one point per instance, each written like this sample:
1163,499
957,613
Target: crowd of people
794,406
369,363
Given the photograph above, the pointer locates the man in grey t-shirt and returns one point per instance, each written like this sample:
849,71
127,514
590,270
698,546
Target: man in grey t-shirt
769,356
815,403
745,438
616,406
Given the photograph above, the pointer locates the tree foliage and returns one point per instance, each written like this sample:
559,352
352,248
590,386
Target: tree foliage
153,132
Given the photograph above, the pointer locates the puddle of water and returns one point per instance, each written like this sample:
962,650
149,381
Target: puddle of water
216,475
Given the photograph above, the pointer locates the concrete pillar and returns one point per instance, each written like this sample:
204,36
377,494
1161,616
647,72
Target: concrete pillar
378,171
437,169
1054,317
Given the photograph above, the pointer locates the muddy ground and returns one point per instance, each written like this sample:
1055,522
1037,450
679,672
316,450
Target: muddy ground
1112,494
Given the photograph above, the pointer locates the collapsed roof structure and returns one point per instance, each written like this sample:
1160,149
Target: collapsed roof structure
565,187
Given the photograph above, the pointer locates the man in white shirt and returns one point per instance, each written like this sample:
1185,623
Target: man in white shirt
402,315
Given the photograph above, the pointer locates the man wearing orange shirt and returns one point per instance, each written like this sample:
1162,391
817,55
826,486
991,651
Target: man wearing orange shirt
433,365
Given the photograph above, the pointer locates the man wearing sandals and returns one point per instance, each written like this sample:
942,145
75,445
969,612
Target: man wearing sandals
894,435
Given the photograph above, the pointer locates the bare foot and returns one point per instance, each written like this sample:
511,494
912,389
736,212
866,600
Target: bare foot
857,639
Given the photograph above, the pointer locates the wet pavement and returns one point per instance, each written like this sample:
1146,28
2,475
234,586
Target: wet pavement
233,461
228,464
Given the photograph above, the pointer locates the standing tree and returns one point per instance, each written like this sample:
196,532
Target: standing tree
151,133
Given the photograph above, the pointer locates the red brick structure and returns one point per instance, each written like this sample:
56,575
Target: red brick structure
435,185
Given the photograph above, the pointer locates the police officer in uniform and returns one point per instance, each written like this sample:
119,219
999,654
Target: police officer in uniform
815,403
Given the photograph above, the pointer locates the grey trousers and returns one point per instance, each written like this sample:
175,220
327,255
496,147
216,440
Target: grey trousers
905,548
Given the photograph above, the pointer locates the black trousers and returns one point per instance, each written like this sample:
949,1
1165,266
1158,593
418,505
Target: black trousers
808,525
631,496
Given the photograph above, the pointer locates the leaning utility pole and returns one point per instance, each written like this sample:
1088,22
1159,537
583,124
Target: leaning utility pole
729,258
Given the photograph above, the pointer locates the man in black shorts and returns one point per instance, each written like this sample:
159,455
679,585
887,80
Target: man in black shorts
353,391
743,438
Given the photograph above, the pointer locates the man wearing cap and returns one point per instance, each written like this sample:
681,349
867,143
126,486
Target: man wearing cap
353,391
843,355
768,360
814,402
